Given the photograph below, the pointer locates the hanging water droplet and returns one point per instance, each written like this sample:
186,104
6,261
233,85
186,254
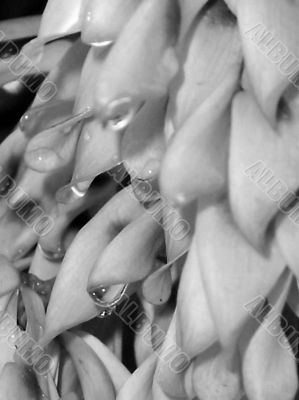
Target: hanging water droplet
107,307
41,287
119,114
51,254
98,294
30,124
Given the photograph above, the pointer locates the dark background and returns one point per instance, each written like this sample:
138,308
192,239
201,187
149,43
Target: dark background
20,8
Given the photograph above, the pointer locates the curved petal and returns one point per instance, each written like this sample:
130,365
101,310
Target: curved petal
130,257
143,143
70,303
118,372
189,10
287,233
262,166
210,54
267,42
93,375
59,19
9,277
146,70
104,20
269,367
97,144
196,160
234,273
16,379
216,376
139,385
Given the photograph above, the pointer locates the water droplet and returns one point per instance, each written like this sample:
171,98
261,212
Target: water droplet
107,307
88,16
41,287
98,294
51,254
20,252
151,169
87,136
119,114
27,124
30,124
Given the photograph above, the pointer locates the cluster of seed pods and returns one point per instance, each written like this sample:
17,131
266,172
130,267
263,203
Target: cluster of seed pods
159,159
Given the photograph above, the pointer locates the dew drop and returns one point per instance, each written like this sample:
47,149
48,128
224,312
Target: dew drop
53,255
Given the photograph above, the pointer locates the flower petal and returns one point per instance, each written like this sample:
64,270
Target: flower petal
118,372
269,368
103,21
70,303
93,375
